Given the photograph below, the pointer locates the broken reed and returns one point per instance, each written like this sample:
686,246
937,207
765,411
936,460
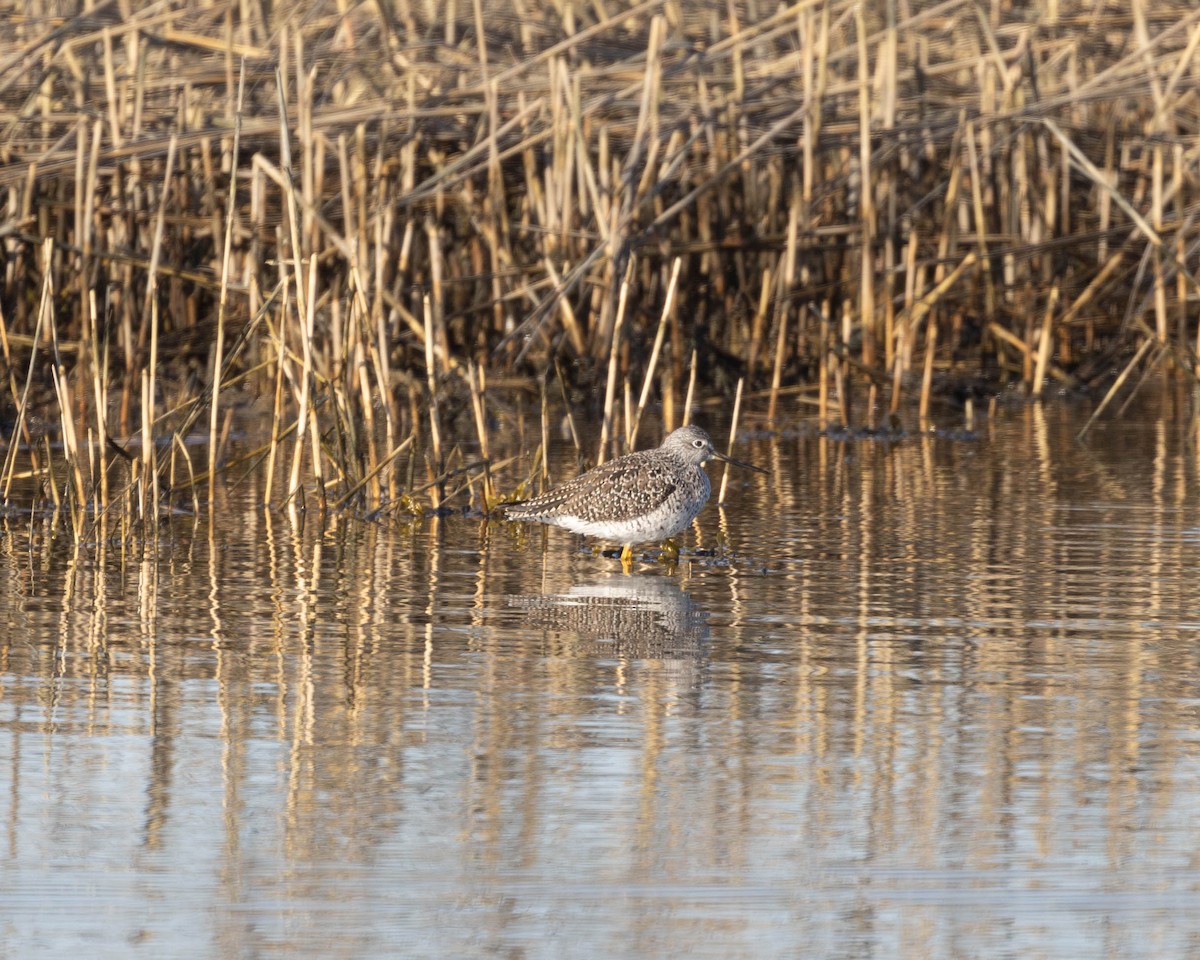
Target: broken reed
334,212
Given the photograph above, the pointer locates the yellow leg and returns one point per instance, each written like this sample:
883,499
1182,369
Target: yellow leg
670,550
627,558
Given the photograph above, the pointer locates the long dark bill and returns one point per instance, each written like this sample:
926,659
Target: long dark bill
739,463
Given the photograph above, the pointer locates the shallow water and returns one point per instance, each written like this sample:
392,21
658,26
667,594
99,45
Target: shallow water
936,698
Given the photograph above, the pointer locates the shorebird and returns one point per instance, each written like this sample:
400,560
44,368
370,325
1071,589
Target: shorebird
649,495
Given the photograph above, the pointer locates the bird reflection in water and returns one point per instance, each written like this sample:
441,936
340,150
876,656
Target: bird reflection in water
640,617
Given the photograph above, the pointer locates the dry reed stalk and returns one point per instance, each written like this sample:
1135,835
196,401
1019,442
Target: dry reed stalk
223,437
569,321
377,346
644,148
90,192
1093,288
1104,199
280,374
305,307
62,391
80,185
223,299
476,384
782,311
887,83
98,362
437,298
872,407
758,322
258,455
610,389
777,370
1161,352
925,305
889,293
9,366
841,377
370,477
145,496
1046,342
151,308
931,336
91,464
1181,281
1147,343
562,390
627,403
544,448
177,443
356,376
1102,182
45,305
668,306
370,338
815,81
307,146
901,360
52,482
1027,355
866,306
1156,218
691,391
823,372
437,465
989,287
470,480
733,425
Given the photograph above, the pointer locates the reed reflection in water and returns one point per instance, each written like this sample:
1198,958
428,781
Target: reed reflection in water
937,698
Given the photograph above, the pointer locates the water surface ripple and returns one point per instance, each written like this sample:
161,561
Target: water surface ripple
937,698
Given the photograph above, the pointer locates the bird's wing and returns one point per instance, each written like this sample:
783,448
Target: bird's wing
618,490
623,491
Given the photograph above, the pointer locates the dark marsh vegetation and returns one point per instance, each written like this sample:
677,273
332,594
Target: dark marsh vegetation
344,250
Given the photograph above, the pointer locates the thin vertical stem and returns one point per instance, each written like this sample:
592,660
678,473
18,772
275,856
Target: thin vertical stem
737,409
219,349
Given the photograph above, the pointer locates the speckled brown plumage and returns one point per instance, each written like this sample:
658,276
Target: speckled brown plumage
641,497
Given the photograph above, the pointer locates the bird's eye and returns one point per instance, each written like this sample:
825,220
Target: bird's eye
698,444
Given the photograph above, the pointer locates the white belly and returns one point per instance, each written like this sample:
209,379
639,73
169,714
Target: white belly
662,523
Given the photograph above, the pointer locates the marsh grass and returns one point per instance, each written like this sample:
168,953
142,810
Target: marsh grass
357,232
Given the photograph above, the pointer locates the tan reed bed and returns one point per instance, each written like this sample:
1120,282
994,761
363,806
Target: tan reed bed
343,229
